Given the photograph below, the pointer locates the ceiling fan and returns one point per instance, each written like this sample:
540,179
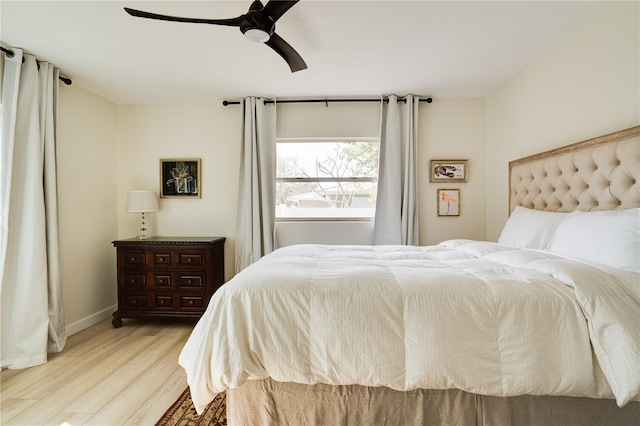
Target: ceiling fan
258,25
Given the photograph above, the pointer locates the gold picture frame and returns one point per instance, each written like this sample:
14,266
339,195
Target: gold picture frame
448,170
448,201
180,178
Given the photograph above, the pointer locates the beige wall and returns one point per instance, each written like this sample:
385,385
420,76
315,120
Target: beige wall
448,129
586,87
308,120
208,131
87,172
452,129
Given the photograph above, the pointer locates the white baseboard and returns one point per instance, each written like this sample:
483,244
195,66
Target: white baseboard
87,322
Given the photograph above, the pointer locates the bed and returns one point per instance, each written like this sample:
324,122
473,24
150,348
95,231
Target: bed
541,327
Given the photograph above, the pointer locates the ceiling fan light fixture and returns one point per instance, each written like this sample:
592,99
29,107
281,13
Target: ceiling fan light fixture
257,35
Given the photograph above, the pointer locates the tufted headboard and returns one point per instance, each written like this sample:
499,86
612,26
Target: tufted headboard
596,174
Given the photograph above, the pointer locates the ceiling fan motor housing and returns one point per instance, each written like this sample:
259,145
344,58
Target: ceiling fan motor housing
257,26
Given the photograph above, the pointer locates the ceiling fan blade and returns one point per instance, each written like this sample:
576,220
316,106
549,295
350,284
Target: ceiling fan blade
288,53
275,8
232,22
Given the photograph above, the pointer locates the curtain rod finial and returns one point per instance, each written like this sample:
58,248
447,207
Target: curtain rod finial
9,52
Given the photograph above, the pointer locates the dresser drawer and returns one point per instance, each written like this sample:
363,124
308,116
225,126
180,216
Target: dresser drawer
161,259
191,259
196,303
163,301
134,301
162,281
195,280
134,280
133,258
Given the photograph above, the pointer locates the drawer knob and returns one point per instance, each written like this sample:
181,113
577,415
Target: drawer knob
191,302
133,258
134,301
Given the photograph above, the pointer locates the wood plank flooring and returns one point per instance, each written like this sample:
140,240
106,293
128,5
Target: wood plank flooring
105,376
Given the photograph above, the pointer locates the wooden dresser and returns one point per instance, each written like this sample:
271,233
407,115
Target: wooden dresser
167,277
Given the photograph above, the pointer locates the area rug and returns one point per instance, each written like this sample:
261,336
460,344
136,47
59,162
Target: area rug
183,412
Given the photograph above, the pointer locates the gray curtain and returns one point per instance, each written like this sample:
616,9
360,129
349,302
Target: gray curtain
255,232
30,282
396,220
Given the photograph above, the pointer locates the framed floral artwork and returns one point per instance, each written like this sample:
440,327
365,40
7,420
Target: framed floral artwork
449,170
180,177
448,202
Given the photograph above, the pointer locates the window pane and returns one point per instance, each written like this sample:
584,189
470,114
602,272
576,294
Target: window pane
325,199
327,159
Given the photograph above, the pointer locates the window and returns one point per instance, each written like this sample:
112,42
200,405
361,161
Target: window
327,178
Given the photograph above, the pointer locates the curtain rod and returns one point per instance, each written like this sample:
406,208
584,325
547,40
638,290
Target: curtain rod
10,53
325,101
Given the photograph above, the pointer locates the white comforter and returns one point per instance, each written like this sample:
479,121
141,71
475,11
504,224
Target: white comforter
477,316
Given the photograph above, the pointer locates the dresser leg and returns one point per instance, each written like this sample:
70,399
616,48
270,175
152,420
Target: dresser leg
116,321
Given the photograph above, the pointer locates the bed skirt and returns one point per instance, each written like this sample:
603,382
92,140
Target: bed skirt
267,402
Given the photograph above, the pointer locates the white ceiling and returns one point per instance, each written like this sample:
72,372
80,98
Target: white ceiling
352,48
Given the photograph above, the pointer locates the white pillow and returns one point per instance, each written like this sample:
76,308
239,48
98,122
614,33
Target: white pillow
528,228
610,238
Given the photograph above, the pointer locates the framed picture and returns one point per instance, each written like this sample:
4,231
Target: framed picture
448,202
448,170
180,177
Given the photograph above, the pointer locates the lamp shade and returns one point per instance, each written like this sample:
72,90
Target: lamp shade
142,201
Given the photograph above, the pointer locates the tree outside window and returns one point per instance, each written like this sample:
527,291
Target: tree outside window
327,179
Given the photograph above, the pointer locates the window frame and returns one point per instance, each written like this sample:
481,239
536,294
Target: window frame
370,139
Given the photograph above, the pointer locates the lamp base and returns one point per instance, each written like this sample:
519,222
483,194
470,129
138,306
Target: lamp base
143,230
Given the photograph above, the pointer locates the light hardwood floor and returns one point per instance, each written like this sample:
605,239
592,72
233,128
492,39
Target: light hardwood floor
104,376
